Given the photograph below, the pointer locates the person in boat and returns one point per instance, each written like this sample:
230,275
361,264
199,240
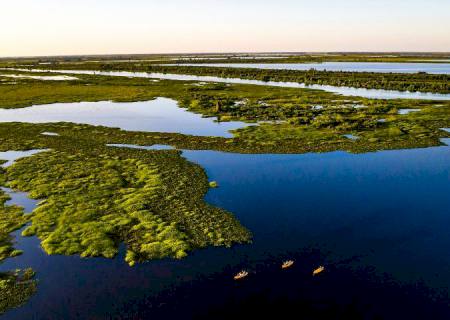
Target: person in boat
318,270
241,275
287,264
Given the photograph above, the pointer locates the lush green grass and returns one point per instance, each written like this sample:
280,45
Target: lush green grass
97,197
26,92
304,127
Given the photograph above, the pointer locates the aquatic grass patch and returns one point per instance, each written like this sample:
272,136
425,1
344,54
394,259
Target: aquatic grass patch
213,184
93,202
16,288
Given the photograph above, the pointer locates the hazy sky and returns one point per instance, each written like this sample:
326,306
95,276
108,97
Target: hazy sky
51,27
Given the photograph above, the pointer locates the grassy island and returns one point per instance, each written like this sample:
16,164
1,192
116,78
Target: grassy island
95,200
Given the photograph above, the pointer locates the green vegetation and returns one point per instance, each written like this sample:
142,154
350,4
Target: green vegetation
298,120
311,120
27,92
190,94
16,288
213,184
95,200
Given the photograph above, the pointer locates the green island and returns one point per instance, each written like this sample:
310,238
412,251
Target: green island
95,200
95,197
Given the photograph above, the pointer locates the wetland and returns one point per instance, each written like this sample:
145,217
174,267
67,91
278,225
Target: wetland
153,194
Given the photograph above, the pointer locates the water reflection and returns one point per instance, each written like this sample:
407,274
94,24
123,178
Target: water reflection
159,115
351,136
152,147
11,156
20,199
407,111
45,78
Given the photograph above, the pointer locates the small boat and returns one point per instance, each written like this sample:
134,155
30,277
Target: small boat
287,264
241,275
318,270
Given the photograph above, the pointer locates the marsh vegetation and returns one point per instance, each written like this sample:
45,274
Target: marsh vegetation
98,193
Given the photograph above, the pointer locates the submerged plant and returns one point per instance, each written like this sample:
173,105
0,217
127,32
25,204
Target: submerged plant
213,184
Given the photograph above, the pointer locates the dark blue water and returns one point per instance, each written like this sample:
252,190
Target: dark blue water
378,222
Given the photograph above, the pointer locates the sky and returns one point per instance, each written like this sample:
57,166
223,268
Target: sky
72,27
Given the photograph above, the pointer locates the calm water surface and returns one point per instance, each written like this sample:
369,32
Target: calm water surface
45,78
366,217
11,156
159,115
20,199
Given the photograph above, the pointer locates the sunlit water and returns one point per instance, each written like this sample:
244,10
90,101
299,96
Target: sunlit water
407,111
45,78
152,147
384,67
351,136
20,199
345,91
11,156
159,115
374,213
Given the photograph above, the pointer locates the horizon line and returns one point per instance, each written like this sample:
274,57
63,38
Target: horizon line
221,53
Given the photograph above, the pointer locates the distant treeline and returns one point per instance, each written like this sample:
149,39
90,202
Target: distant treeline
437,83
